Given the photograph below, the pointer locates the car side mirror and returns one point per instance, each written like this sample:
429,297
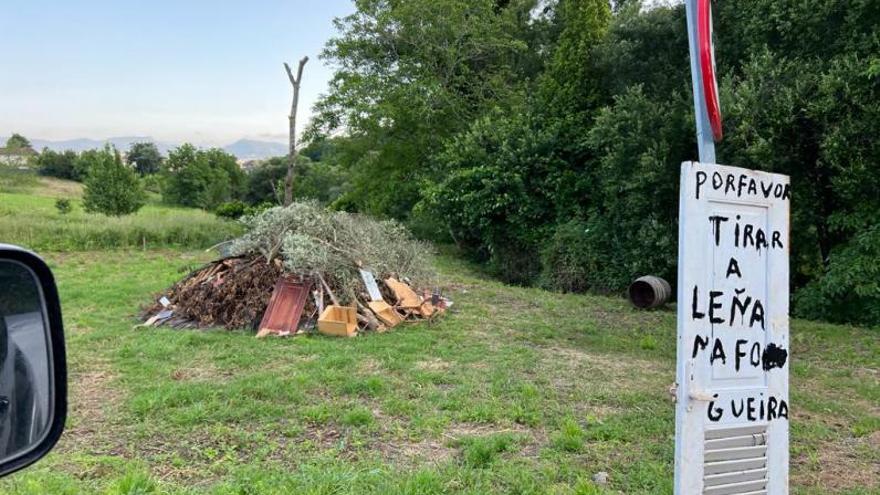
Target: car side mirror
33,367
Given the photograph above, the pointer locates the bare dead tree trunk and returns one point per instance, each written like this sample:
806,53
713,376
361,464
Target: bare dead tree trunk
291,151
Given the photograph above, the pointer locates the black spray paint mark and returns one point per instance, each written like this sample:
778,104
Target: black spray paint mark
774,357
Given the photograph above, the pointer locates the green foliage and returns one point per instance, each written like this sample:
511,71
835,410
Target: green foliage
201,178
111,187
634,209
145,158
497,195
18,142
265,183
569,84
63,165
63,205
152,183
481,452
236,209
570,258
404,85
545,138
232,210
322,181
134,482
570,436
358,416
849,290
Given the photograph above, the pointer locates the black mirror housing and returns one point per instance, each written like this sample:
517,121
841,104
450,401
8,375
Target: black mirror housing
43,338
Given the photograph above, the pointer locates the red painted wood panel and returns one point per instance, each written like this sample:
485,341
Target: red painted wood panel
285,308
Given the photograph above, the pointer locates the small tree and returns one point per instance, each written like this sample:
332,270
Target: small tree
63,205
201,178
145,158
18,142
112,188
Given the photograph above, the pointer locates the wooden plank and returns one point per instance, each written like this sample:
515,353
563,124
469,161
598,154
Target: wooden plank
285,308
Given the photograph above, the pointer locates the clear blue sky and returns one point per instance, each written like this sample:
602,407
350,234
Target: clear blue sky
177,70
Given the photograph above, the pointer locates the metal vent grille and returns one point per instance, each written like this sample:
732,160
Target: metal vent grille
735,461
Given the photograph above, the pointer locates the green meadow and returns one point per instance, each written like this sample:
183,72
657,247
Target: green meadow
32,220
516,391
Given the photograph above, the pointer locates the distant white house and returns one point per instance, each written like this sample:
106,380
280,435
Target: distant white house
17,157
249,165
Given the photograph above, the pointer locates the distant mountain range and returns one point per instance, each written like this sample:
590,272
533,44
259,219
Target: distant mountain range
243,149
250,149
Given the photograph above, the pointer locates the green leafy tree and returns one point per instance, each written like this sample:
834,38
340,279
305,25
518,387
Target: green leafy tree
63,165
18,142
145,158
112,188
201,178
849,290
548,145
319,180
412,74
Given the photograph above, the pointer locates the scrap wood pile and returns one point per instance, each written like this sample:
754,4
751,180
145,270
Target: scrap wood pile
300,268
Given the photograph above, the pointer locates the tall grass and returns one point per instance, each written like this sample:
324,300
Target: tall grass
13,180
32,221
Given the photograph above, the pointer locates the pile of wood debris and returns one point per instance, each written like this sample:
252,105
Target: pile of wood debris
302,268
249,293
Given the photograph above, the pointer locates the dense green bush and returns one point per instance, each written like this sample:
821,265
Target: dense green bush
231,209
849,290
201,178
496,195
111,188
63,165
549,145
152,183
322,181
236,209
63,205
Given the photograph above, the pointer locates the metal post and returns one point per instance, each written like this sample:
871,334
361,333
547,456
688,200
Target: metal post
705,141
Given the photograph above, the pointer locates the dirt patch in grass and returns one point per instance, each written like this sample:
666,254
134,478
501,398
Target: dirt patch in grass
840,465
57,188
370,366
412,454
574,356
92,399
568,365
201,373
433,364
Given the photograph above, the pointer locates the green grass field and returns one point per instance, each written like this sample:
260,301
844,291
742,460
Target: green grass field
32,220
516,391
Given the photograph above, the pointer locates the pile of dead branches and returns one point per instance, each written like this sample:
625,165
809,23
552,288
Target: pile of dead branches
311,258
232,292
